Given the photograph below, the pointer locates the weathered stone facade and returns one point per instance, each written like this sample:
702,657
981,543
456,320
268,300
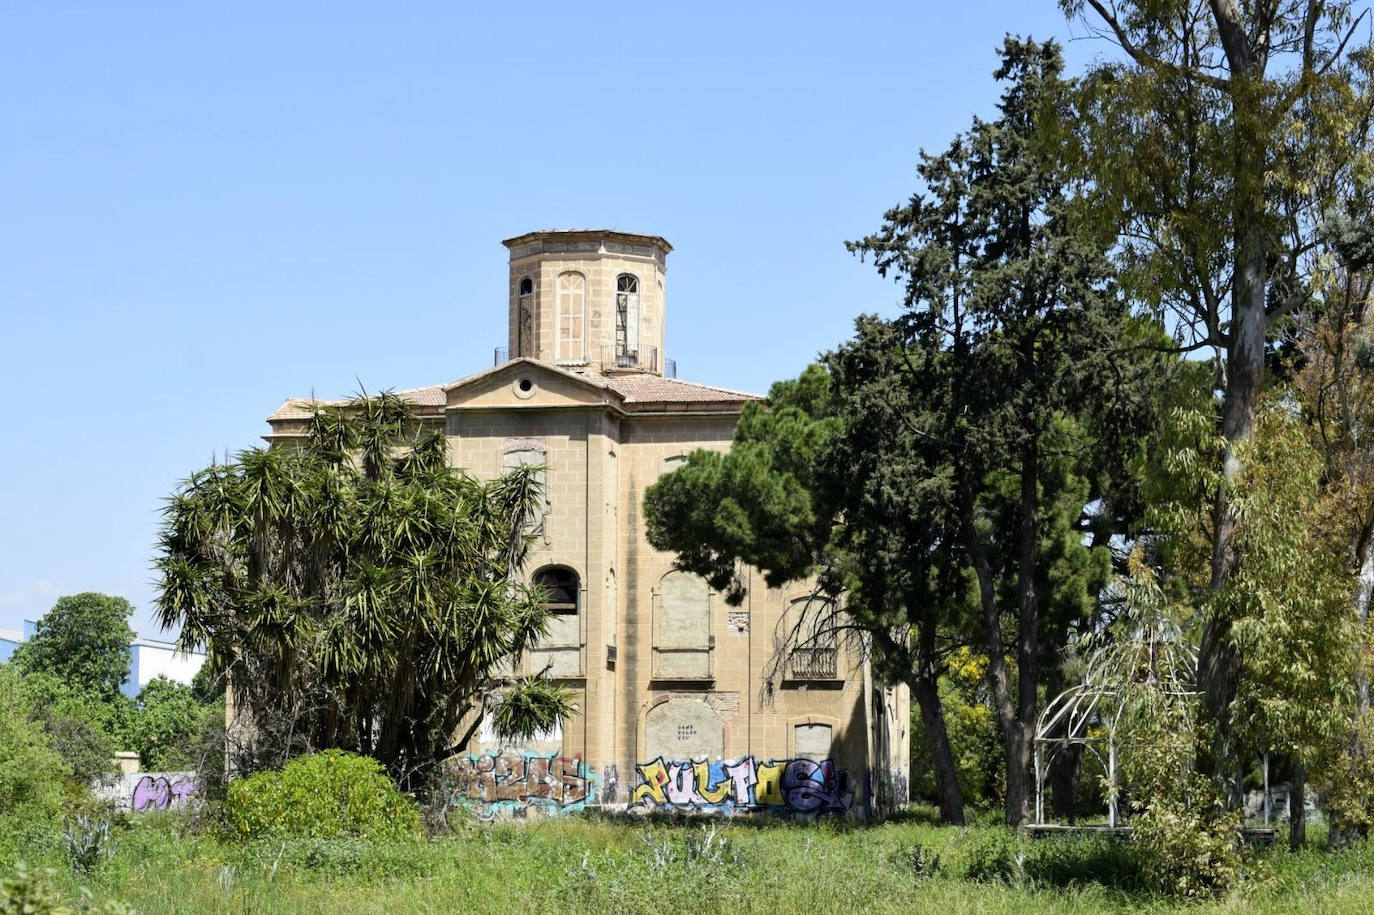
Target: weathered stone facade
676,704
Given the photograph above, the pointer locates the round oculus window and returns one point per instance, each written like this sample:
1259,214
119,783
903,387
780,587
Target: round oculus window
524,386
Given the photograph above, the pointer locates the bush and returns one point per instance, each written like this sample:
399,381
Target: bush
80,725
328,795
33,776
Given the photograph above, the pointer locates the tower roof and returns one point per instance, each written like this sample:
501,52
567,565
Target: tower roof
565,236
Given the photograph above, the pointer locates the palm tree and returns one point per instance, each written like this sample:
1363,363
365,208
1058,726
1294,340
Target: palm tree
358,592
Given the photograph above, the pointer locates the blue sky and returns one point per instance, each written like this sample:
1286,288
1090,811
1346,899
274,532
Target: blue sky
204,208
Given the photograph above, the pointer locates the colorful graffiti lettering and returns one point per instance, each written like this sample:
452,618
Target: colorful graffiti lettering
513,782
159,792
803,786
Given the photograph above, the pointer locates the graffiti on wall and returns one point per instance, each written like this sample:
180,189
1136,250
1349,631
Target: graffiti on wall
803,786
162,792
513,782
145,792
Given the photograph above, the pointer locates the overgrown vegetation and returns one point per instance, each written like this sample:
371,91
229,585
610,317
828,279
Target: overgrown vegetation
357,592
163,864
329,795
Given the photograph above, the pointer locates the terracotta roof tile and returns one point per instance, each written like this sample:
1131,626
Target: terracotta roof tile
654,389
300,407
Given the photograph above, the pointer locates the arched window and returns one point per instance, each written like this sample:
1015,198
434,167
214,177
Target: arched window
562,586
560,650
572,300
626,320
524,330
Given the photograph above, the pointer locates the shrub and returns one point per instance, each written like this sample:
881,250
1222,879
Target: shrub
327,795
32,775
86,840
80,725
30,891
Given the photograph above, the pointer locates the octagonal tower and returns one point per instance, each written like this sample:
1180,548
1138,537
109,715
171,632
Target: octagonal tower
588,300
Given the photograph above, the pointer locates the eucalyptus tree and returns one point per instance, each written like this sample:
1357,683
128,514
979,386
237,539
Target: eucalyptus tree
1217,145
358,592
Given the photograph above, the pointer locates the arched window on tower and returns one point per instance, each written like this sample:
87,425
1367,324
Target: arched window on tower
626,320
560,650
524,329
572,300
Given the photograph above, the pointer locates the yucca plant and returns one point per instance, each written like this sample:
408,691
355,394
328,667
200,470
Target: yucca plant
358,592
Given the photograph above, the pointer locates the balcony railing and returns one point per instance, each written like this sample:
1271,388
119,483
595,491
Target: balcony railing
644,359
813,664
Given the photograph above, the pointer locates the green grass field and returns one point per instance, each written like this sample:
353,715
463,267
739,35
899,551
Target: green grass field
168,864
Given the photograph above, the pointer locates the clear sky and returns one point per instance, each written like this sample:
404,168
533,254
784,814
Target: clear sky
207,207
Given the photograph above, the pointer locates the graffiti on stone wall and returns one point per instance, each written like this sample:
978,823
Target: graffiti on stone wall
145,792
163,792
513,782
803,786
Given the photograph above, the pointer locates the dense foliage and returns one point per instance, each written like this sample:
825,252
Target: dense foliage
326,795
33,776
83,641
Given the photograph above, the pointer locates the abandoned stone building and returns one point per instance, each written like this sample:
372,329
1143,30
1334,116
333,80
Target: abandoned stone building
683,701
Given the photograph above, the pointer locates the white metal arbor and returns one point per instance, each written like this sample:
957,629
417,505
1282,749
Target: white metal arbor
1070,720
1148,651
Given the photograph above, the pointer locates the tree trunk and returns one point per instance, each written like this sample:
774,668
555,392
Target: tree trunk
1218,662
992,623
926,687
1063,778
1297,808
1021,744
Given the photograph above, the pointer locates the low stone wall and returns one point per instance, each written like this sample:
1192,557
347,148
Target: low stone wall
143,792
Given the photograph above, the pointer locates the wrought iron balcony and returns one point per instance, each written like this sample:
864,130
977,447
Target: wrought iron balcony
813,664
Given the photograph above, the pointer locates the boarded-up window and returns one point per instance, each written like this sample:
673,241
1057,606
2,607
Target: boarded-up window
812,741
529,453
572,308
682,632
560,650
682,729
